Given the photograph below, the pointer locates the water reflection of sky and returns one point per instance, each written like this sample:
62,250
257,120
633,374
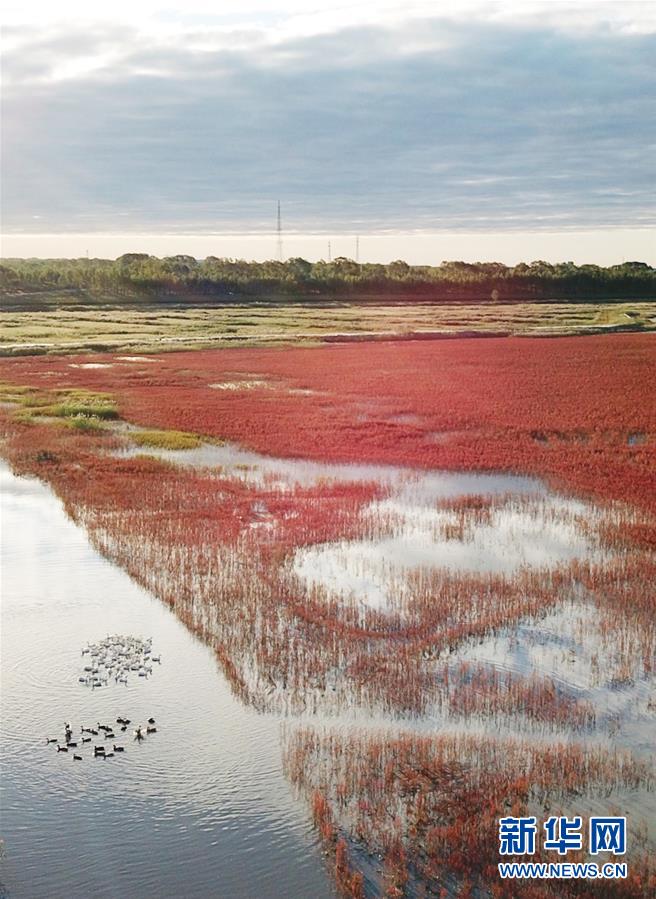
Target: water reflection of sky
201,809
362,569
541,535
254,468
204,809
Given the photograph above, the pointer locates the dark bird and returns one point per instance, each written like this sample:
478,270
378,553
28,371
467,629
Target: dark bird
151,730
119,748
151,721
62,749
51,740
77,758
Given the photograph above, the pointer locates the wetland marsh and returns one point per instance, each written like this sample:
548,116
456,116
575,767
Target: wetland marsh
375,645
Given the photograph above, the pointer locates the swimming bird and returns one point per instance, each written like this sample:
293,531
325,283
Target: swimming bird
62,748
71,745
77,758
51,740
86,739
151,730
119,748
151,721
98,750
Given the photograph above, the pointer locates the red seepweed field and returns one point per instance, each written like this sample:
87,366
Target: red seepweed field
581,410
444,648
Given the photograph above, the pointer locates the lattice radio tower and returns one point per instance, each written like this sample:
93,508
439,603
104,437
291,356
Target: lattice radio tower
279,235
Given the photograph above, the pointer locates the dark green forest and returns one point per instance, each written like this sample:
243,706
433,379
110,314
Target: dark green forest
140,278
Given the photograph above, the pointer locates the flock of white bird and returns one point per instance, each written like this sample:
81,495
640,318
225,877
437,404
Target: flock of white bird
116,658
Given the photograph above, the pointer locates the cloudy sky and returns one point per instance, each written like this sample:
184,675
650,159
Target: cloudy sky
432,130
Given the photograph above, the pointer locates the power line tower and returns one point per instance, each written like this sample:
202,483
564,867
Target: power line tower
357,249
330,256
279,233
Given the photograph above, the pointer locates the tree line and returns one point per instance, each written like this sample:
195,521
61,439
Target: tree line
136,277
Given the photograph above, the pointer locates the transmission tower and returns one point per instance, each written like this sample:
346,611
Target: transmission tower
357,249
279,233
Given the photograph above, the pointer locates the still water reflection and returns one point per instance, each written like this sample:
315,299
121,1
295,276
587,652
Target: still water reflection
200,810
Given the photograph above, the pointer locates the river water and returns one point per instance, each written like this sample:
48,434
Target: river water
200,809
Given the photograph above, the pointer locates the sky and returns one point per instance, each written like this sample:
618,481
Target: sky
453,130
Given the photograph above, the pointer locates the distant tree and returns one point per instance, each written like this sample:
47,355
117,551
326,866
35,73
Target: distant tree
8,277
131,258
398,269
137,275
298,269
345,268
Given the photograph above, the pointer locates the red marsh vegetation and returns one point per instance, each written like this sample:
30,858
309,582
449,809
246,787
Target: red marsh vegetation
234,552
579,410
424,810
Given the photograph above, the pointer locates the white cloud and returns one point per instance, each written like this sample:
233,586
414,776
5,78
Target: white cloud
293,18
369,116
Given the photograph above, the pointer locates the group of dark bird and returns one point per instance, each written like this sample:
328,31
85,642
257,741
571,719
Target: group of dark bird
105,732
